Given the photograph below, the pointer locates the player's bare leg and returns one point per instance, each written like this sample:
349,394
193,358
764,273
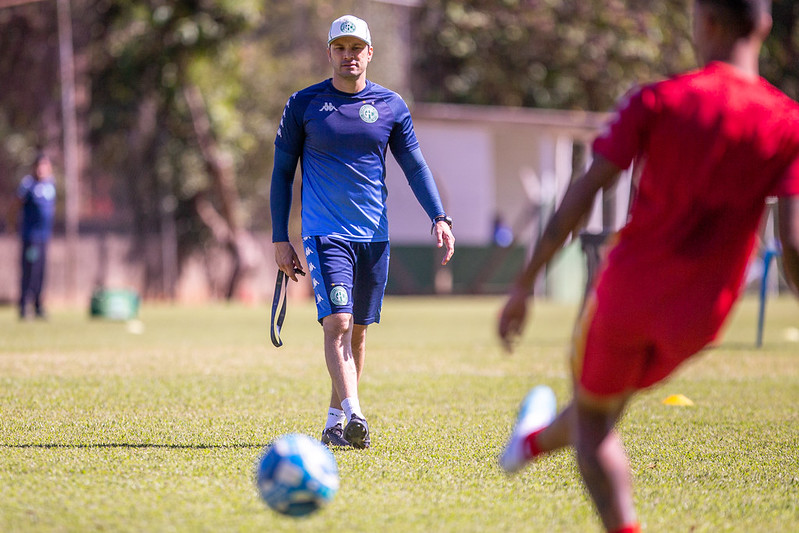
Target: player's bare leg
559,433
343,374
343,366
603,462
338,355
357,430
358,344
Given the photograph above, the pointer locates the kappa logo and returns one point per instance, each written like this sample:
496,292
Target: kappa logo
338,295
308,251
368,113
328,107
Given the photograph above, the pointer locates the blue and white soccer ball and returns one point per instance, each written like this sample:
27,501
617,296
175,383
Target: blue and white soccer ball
297,475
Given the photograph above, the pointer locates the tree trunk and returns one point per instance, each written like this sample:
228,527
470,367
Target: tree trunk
144,190
224,223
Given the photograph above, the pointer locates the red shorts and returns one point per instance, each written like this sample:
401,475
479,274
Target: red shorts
618,350
650,311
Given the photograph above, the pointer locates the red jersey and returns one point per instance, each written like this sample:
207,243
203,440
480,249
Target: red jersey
716,144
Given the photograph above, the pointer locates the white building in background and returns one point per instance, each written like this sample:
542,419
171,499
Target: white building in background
499,160
515,163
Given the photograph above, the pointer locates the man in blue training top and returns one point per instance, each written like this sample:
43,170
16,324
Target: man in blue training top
340,129
36,198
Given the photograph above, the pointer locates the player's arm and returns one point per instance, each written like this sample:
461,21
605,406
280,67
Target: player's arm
576,204
420,178
788,215
280,198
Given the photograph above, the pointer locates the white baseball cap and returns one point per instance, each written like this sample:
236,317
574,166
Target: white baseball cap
349,25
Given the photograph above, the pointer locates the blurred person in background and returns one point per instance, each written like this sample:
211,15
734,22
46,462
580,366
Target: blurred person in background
33,211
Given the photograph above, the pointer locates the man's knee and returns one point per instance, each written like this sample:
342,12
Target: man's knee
596,416
337,324
609,405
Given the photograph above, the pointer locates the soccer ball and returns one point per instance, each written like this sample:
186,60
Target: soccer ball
297,475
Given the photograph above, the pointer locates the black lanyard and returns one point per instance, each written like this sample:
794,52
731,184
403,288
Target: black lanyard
281,286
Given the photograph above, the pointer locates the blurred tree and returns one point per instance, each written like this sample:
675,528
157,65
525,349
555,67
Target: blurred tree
133,61
567,54
29,101
150,120
780,63
178,101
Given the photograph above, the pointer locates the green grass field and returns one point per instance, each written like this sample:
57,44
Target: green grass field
103,429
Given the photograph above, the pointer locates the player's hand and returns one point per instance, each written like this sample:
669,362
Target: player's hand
287,260
512,317
445,238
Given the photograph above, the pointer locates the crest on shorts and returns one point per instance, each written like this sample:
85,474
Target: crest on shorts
338,295
368,113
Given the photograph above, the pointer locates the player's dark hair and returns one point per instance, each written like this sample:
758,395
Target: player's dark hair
740,16
40,156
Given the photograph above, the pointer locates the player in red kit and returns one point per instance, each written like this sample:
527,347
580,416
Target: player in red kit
716,143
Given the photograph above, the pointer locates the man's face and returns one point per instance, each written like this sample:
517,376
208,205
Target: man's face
43,169
349,57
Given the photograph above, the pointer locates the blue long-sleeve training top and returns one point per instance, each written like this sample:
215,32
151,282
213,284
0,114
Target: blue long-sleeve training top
341,141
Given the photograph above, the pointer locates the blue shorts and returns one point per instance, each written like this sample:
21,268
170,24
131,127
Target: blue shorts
348,277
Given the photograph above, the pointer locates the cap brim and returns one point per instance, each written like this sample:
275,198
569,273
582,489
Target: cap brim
348,35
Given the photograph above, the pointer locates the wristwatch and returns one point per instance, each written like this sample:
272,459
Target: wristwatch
441,218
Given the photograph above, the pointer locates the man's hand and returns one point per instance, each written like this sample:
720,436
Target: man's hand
287,260
512,317
444,237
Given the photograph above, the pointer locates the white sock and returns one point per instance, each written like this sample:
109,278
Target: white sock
335,416
351,407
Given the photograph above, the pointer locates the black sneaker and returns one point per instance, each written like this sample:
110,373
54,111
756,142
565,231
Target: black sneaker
334,436
357,432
